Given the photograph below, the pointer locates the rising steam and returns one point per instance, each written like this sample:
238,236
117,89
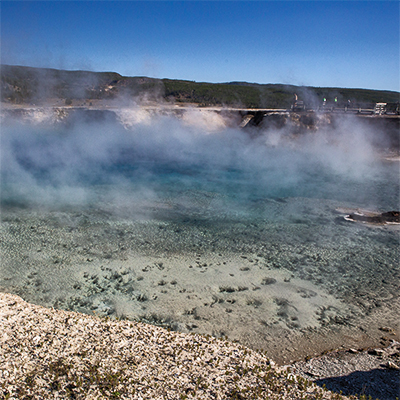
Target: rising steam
136,155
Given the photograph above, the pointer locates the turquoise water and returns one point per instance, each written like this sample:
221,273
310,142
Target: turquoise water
80,202
83,164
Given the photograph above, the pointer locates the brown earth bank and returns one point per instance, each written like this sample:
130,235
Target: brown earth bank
255,122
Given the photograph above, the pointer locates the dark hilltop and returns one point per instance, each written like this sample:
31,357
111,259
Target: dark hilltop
44,86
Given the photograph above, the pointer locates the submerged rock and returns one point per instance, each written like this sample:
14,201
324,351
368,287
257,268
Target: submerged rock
386,217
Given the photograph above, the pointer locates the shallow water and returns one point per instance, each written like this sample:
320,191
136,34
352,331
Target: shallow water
212,232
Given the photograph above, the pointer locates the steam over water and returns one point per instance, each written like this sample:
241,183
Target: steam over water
191,224
88,164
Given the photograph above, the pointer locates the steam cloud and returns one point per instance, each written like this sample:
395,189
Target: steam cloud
139,157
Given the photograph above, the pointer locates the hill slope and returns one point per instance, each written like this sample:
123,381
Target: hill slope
22,85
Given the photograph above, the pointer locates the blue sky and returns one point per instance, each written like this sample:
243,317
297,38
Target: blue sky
313,43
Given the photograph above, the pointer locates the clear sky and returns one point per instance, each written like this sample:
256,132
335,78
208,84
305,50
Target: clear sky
314,43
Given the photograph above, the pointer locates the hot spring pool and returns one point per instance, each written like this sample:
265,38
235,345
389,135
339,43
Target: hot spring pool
215,233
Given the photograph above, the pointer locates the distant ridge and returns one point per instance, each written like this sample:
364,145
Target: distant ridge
24,85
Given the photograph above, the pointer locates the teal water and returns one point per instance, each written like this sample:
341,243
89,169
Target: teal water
78,200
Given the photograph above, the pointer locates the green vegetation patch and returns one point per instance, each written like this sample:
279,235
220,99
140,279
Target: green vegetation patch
22,85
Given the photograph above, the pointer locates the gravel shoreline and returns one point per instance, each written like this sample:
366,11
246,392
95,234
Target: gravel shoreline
55,354
373,372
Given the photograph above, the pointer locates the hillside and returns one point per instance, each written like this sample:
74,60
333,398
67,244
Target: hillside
27,85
